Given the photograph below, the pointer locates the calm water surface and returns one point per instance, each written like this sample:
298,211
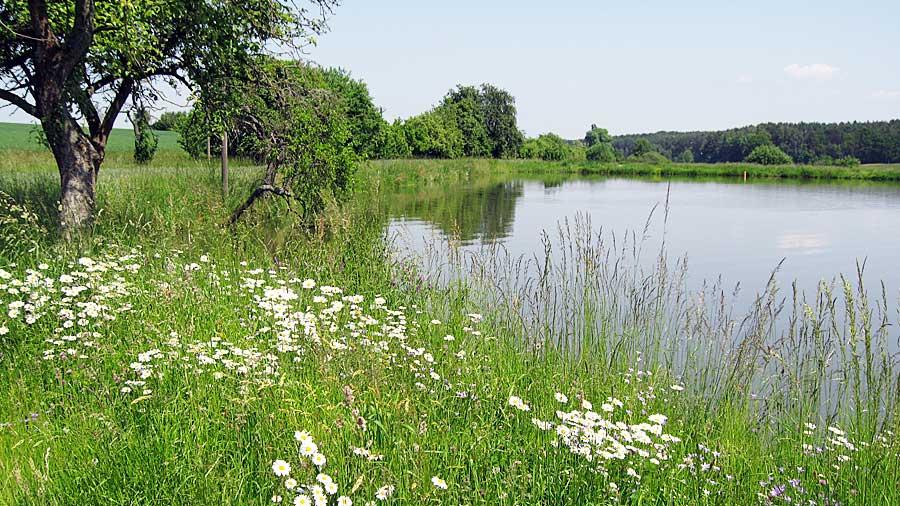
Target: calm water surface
739,231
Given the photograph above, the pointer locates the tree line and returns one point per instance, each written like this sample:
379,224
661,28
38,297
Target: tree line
813,143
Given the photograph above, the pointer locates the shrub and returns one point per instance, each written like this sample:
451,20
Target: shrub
650,157
601,152
686,156
847,161
169,120
768,154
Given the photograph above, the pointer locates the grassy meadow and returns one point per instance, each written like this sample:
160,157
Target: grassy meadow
168,359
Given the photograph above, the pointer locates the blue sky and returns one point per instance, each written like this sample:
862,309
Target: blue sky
635,66
630,66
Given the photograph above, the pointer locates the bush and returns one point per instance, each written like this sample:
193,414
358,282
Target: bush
601,152
169,121
650,157
551,147
686,156
847,161
145,140
768,154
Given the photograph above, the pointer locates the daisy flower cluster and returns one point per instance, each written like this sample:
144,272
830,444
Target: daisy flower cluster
604,438
74,305
321,490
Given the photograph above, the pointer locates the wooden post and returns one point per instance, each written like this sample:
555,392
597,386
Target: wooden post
224,163
745,175
208,148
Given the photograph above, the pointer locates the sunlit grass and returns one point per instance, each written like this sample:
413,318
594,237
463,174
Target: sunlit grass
226,341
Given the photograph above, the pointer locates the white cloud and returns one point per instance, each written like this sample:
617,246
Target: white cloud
818,71
744,79
886,94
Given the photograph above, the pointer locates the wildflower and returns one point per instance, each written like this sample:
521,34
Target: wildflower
344,501
308,284
308,449
318,460
585,404
302,500
560,397
290,483
836,431
331,488
384,492
439,483
323,478
281,468
518,403
631,472
677,388
658,419
3,330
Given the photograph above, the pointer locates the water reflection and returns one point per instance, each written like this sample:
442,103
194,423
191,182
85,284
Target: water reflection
468,214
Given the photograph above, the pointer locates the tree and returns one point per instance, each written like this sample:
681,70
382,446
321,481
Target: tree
463,104
550,147
686,156
64,62
499,110
768,154
299,128
596,135
145,141
601,152
642,147
169,121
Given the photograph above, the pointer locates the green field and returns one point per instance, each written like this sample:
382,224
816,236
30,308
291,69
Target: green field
169,360
21,136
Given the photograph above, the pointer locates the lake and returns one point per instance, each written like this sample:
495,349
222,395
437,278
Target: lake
737,230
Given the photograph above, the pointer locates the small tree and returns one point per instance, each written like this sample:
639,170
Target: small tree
686,156
642,147
596,136
299,129
145,140
169,121
74,64
768,154
601,152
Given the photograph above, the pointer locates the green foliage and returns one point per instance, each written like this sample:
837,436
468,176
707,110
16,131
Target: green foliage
847,161
470,121
551,147
596,136
686,156
434,134
768,154
392,142
170,120
870,142
499,110
649,157
145,140
364,118
300,128
642,147
601,152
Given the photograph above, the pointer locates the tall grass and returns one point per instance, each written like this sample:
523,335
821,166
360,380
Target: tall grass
389,399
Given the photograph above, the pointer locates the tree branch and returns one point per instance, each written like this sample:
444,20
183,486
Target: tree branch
115,107
257,193
19,102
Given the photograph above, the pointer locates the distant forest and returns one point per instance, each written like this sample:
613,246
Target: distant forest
870,142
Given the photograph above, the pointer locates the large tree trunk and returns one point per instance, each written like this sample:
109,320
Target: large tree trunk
78,160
